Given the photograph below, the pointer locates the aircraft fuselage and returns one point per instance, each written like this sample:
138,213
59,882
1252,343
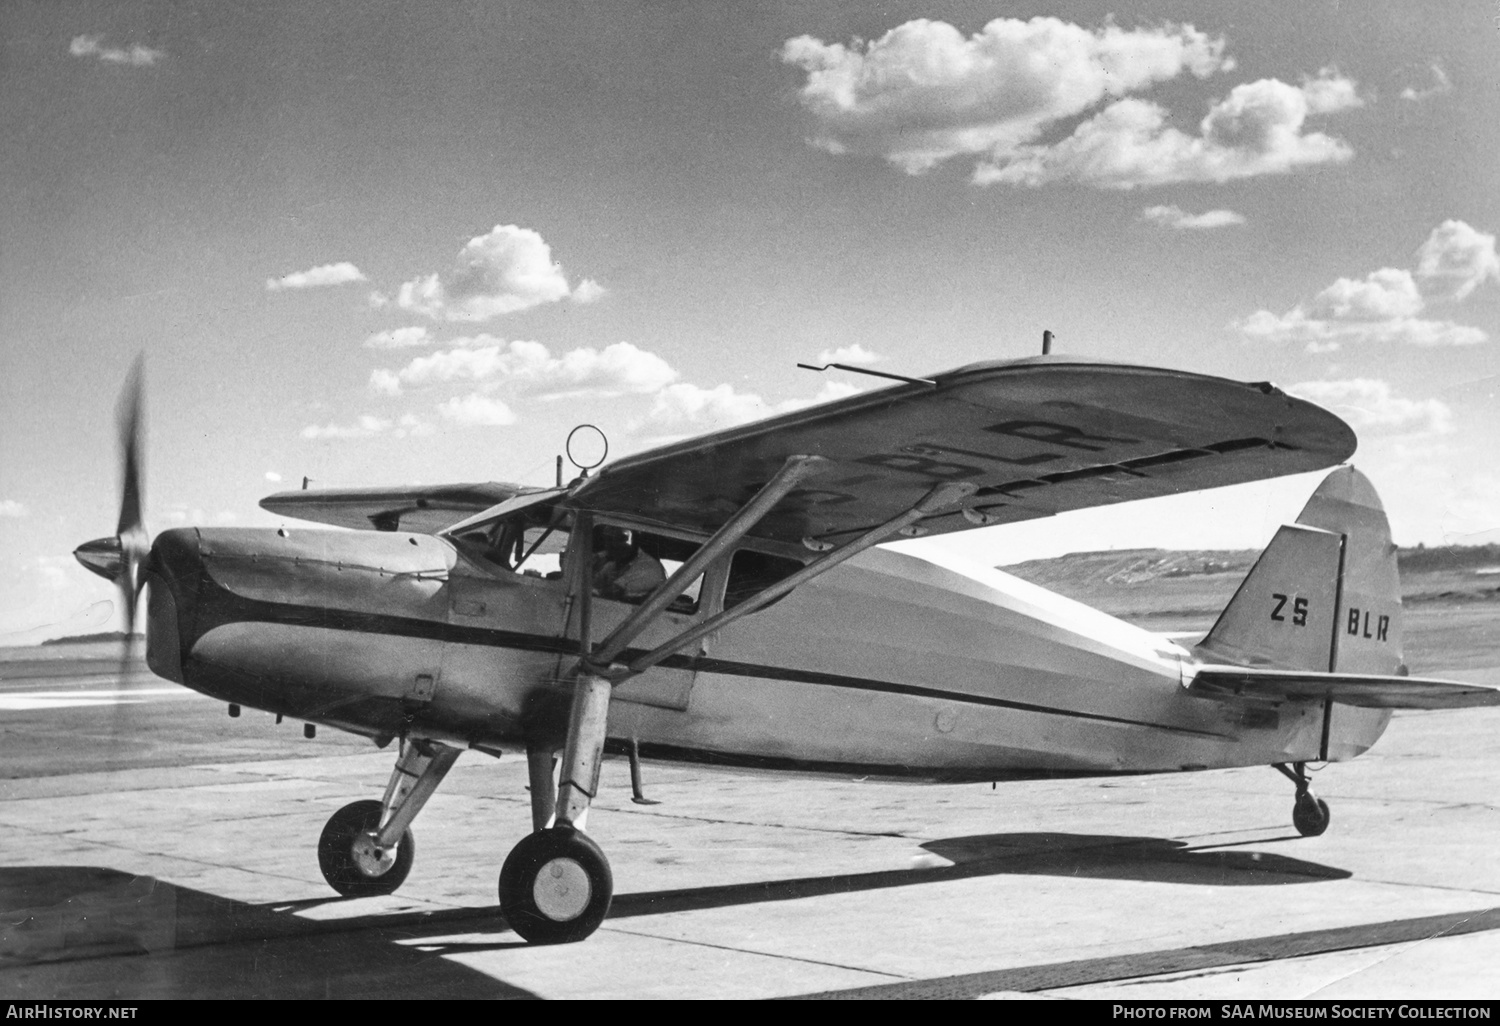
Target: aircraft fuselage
895,662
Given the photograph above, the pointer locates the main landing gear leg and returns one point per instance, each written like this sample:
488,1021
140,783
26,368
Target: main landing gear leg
556,884
1310,814
541,769
367,847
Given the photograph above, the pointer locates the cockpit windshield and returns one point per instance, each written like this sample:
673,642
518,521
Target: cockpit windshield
524,539
529,535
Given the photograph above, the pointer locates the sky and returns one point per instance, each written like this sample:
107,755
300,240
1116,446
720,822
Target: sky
386,243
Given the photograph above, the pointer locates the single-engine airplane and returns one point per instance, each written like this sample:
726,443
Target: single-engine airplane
773,631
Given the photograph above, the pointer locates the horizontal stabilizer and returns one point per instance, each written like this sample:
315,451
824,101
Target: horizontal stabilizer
1371,690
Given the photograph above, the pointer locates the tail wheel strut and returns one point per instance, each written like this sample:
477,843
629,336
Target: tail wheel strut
1310,814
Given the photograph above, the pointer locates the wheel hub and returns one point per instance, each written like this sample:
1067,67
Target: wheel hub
562,890
370,860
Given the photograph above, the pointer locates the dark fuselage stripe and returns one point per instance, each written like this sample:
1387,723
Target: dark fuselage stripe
242,609
706,665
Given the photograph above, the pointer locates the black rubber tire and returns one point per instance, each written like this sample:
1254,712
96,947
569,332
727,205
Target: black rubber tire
551,851
336,853
1310,816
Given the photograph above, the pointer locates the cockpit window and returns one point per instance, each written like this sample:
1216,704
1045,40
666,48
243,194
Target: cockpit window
538,551
529,543
629,565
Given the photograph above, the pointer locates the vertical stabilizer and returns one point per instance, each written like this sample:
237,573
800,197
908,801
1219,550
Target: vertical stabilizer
1325,595
1367,635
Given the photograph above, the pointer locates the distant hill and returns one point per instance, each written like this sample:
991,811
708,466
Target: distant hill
84,639
1451,557
1146,582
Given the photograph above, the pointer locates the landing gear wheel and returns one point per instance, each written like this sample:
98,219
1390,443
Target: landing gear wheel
1310,815
351,863
555,886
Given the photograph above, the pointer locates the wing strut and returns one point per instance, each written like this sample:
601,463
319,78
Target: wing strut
938,498
792,473
594,681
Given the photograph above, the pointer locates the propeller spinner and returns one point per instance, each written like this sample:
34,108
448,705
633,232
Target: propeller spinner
120,558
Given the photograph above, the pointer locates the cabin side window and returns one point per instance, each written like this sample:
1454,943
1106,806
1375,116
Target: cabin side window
629,565
751,572
626,565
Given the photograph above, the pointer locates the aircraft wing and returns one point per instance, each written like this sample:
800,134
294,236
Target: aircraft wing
1037,436
423,509
1373,691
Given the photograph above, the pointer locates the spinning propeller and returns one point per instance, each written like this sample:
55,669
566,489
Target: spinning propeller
121,558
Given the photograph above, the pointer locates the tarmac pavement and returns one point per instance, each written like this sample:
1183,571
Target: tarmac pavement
169,851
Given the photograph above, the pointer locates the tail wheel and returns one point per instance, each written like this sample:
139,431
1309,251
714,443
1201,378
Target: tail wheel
556,886
351,863
1310,815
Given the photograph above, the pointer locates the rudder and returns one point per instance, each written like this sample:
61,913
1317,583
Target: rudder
1325,595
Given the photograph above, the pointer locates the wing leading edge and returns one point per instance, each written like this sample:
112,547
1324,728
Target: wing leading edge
420,509
1034,437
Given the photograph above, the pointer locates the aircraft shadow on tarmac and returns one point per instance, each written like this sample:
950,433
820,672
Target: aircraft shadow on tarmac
64,929
85,931
1049,854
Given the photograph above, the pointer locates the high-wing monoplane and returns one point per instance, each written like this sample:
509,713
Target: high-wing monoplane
723,599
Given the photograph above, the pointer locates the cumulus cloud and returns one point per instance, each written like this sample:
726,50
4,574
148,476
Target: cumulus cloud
854,354
12,508
317,277
399,338
1384,306
923,93
1438,84
135,55
1471,506
1330,335
1383,295
589,291
54,572
181,513
684,408
1258,129
1369,404
506,270
1456,259
617,369
476,410
1176,217
369,426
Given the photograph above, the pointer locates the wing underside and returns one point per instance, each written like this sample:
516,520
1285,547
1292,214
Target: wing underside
419,509
1032,437
1025,438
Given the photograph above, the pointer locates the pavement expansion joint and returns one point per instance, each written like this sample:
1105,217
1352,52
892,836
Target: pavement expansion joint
718,821
1422,886
1385,956
1249,951
754,951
